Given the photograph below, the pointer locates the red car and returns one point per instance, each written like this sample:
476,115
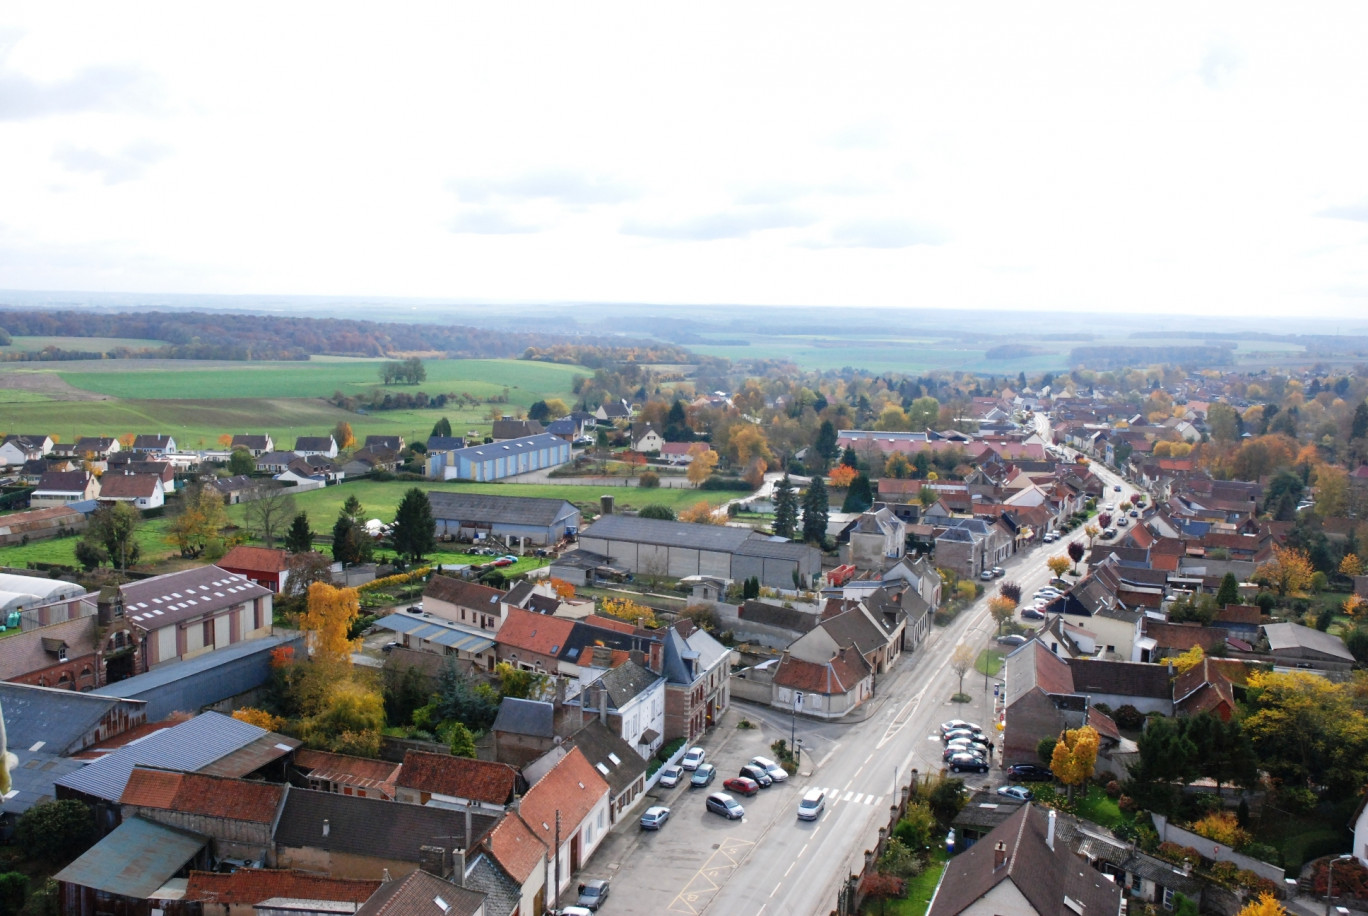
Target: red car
742,786
503,561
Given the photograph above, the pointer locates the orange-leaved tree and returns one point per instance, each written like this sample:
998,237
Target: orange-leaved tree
841,476
702,461
1075,756
1002,608
564,589
1264,905
629,610
259,717
1351,566
1289,571
700,513
1058,565
327,620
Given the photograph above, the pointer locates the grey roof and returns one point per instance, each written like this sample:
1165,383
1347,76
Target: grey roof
372,826
418,894
626,682
672,534
135,860
855,628
525,444
445,444
186,747
502,895
616,760
163,600
774,615
437,631
525,717
1283,636
508,510
57,719
181,668
778,550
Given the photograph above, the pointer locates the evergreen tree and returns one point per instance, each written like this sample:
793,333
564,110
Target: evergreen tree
1358,428
816,510
1229,592
785,508
299,539
825,449
352,508
442,427
849,458
415,530
859,496
351,544
921,466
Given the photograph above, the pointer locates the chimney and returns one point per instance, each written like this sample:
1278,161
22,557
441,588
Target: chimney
657,664
999,855
434,860
606,504
1049,836
638,656
603,704
326,826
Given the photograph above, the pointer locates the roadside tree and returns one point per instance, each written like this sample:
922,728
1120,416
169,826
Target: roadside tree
1058,565
268,509
961,661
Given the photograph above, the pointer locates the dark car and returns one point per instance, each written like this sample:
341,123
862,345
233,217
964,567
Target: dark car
1030,772
972,763
741,785
974,750
758,775
973,732
703,776
1134,513
1011,639
1032,613
723,804
592,894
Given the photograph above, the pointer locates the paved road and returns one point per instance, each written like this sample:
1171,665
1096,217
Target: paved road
769,862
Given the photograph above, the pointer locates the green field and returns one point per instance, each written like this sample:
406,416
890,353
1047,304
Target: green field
84,344
201,402
378,500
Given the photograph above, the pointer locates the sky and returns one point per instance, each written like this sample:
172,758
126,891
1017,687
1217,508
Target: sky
1190,158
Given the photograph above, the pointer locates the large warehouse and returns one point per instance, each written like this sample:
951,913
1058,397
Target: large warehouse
518,520
678,549
497,460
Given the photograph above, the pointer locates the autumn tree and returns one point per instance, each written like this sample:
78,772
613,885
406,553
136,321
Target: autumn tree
1223,827
351,720
415,530
304,569
342,434
1058,565
700,513
1092,531
785,508
1075,550
1354,606
1075,756
260,718
1289,571
841,476
1351,566
1011,591
565,590
747,442
1263,905
702,462
629,610
269,508
1186,661
897,466
961,661
1002,608
520,684
1308,730
327,621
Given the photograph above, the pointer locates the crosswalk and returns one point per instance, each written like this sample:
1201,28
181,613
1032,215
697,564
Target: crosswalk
849,795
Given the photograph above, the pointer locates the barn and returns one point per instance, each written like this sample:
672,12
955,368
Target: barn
517,520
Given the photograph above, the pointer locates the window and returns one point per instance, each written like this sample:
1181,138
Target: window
1168,899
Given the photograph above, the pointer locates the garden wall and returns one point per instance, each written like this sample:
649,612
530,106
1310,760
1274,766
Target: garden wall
1217,852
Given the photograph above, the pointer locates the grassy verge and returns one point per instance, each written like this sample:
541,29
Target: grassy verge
989,662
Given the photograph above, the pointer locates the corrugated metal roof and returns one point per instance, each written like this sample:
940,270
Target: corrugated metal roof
187,747
439,633
135,860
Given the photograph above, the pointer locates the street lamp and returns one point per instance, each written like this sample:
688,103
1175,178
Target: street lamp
793,731
1330,879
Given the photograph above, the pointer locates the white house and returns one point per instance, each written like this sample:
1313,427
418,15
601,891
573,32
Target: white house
631,700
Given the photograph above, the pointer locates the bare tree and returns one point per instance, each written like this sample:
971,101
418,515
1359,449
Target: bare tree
270,510
962,661
304,569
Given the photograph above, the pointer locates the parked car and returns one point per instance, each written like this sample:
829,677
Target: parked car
812,804
998,572
1122,522
703,775
972,732
775,771
655,817
960,763
759,775
1011,639
1048,591
1033,613
592,893
977,750
1030,772
741,785
671,775
502,562
1134,513
953,724
1117,488
693,757
1020,793
723,804
986,575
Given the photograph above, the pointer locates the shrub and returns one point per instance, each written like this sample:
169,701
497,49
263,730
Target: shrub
649,480
56,830
1263,852
915,829
1205,803
1113,789
1298,800
1128,717
1222,827
1127,804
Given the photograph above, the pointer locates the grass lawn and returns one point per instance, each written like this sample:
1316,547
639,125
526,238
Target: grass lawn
379,500
989,662
919,890
83,344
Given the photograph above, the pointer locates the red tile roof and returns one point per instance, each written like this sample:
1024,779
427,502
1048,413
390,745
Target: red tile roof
838,676
342,768
516,847
534,632
572,788
610,623
209,796
253,885
462,777
255,559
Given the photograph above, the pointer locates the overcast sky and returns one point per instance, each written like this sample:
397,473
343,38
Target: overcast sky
1178,157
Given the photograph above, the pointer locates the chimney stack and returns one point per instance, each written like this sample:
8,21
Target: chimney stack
1049,836
999,855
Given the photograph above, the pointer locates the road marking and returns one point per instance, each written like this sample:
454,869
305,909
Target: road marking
700,889
790,868
799,856
776,888
848,796
869,758
822,762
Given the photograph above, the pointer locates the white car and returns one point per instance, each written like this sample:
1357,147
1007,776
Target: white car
693,758
671,775
776,772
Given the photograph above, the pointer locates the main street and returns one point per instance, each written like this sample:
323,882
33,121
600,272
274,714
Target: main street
770,862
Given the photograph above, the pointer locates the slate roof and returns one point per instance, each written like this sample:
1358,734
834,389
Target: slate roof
1135,679
1045,876
64,481
854,627
179,596
26,651
1285,636
134,860
615,759
254,443
501,893
129,486
534,718
152,441
462,777
626,682
253,885
515,429
445,443
516,847
840,675
209,796
774,615
421,894
190,746
315,444
59,719
374,827
508,510
464,594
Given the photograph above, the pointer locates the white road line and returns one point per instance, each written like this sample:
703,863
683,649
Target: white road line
800,854
870,757
776,888
847,796
790,868
847,785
